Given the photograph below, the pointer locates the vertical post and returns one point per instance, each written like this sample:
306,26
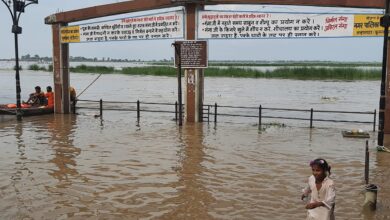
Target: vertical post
311,118
60,71
101,108
138,112
16,30
366,164
385,22
17,77
176,111
215,113
260,112
208,113
373,127
178,54
194,78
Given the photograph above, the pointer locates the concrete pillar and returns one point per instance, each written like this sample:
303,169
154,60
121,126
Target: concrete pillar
193,99
60,72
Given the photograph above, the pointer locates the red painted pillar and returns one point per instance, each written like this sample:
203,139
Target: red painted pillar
193,77
60,72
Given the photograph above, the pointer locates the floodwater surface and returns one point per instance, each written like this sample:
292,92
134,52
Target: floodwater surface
86,167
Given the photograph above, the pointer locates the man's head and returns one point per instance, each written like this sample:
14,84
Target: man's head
37,89
49,89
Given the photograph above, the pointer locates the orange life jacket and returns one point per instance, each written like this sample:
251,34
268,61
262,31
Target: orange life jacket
50,99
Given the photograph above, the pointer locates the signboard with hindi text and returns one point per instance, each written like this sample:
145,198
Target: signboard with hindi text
251,25
193,54
167,25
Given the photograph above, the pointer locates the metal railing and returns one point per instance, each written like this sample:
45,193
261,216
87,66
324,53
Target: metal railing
127,106
215,110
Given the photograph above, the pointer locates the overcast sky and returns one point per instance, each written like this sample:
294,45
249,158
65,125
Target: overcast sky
36,38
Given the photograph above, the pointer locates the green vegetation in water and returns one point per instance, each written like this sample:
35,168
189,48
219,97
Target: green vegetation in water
299,73
266,126
92,69
36,67
150,70
280,63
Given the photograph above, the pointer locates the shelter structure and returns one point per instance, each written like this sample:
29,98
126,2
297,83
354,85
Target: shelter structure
194,90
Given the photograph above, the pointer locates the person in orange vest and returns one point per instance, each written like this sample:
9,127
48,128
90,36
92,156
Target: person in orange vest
72,94
50,97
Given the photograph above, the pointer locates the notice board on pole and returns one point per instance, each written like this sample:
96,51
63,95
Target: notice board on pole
193,54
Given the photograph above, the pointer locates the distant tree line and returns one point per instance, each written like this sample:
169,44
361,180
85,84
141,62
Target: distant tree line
38,58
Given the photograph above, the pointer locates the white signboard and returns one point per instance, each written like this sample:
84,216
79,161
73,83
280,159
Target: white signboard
247,25
159,26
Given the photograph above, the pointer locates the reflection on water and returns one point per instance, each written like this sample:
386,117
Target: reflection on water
67,166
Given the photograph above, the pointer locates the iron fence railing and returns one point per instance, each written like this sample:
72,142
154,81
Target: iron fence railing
212,113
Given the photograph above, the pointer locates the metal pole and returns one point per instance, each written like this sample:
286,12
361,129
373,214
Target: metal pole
382,100
178,51
101,108
180,96
311,118
215,113
17,77
373,127
260,110
138,112
208,113
366,164
176,111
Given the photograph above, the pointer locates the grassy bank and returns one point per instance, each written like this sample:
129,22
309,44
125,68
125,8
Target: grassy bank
300,73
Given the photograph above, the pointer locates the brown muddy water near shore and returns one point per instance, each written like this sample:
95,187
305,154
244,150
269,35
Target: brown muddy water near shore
81,167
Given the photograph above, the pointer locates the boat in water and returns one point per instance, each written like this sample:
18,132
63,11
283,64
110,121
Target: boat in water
30,111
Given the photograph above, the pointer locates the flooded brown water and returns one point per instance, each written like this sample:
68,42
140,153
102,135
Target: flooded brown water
75,167
82,167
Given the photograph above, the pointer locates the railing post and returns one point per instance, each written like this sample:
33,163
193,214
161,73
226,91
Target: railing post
208,113
176,111
374,120
366,164
260,109
138,112
311,118
215,113
101,108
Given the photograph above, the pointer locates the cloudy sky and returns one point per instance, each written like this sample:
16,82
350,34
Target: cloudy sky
36,38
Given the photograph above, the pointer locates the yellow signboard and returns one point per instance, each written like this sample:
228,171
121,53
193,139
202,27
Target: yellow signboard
70,34
367,26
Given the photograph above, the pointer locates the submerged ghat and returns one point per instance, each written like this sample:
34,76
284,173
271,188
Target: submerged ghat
79,166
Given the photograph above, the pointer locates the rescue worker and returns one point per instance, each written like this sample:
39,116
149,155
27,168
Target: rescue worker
50,97
72,94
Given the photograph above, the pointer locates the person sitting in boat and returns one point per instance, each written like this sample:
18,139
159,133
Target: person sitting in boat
50,97
37,98
72,93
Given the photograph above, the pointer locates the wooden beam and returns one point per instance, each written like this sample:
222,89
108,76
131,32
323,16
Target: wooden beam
322,3
108,10
143,5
